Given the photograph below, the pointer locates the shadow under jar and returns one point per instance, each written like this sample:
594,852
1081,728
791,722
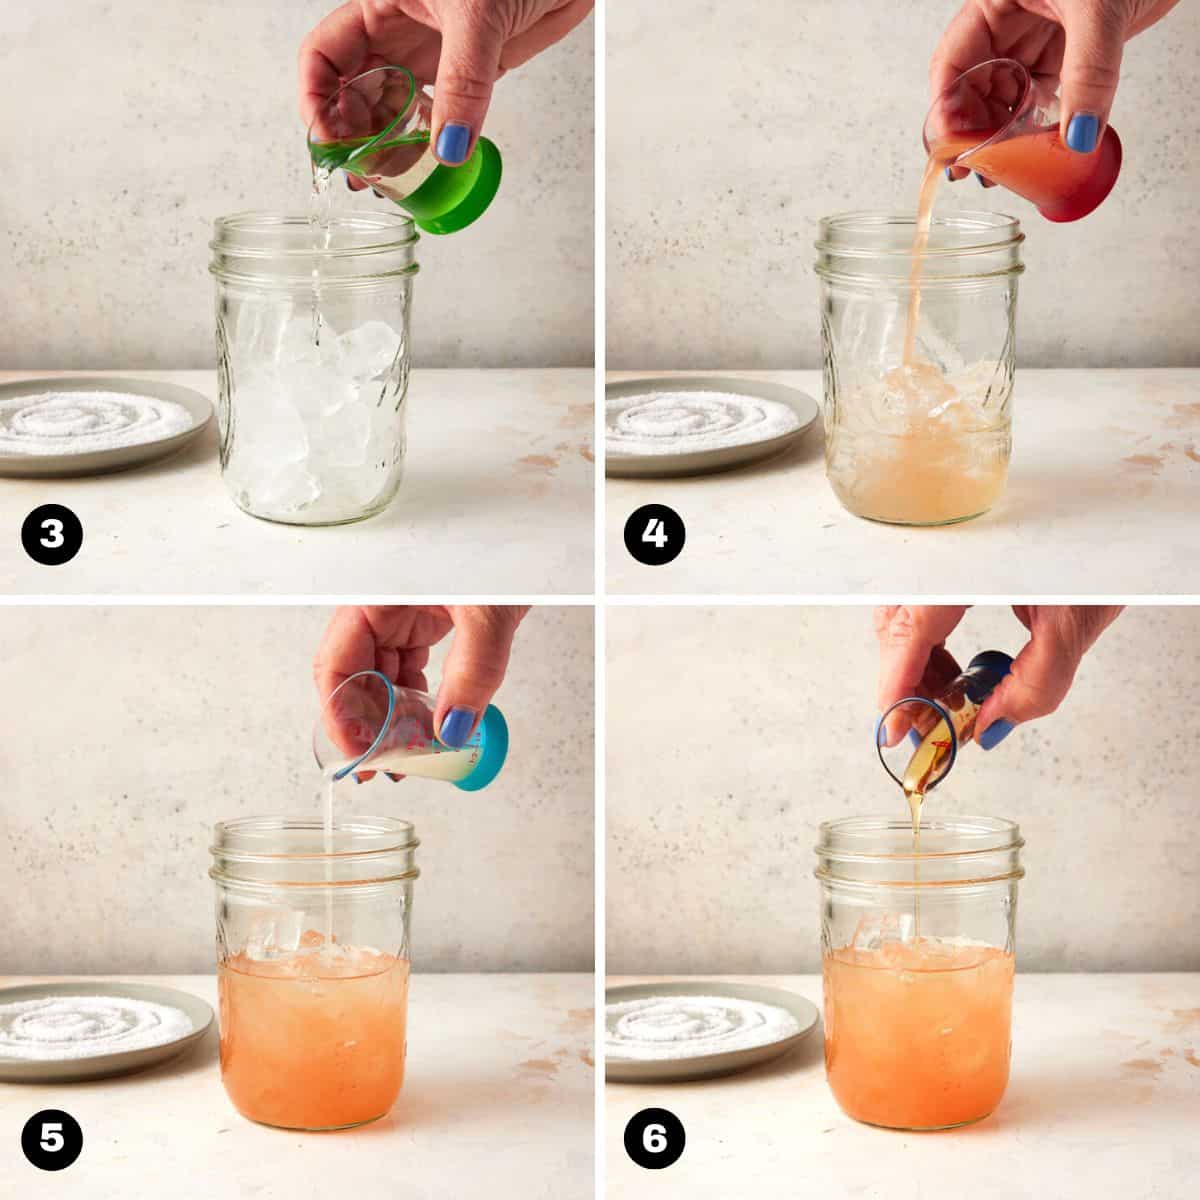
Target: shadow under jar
918,360
918,954
313,362
313,966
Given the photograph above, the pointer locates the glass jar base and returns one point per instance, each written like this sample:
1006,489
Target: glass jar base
919,524
318,1128
924,1128
301,522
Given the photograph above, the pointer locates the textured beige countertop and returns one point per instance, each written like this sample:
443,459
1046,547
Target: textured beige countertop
497,1102
1102,498
1103,1100
498,498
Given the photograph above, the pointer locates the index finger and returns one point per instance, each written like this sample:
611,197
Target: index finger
966,43
908,636
336,49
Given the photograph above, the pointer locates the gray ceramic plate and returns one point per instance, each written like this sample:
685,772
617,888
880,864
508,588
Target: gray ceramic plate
22,1070
702,462
675,1070
99,462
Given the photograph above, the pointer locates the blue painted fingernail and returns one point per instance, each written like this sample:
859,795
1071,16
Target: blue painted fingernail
995,733
878,723
1082,132
949,174
356,778
452,143
979,179
914,737
456,728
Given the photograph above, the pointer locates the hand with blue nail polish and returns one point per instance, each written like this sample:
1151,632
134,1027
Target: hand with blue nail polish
914,661
396,640
461,47
1075,45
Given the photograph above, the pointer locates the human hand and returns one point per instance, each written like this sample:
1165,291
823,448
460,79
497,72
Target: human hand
913,661
1075,43
460,46
395,640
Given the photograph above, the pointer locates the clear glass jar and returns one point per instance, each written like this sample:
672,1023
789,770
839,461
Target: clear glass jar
918,430
312,362
918,954
312,966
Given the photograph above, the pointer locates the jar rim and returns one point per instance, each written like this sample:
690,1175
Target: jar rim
379,231
401,838
973,835
997,231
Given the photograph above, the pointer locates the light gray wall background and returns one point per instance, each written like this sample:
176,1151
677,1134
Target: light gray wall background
128,127
775,114
129,731
733,732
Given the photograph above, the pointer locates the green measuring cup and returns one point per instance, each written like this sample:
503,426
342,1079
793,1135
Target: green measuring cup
376,127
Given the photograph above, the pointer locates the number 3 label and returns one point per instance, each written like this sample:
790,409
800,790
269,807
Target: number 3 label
52,535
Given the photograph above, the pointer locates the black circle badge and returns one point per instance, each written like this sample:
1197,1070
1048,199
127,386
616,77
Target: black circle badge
52,535
654,1138
51,1139
654,534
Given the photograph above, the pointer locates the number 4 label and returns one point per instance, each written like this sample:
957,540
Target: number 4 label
655,533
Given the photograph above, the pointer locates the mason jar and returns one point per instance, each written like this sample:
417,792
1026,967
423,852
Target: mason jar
313,362
918,359
313,966
918,953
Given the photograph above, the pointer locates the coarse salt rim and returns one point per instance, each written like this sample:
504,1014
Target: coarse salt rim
680,422
73,1027
677,1027
80,422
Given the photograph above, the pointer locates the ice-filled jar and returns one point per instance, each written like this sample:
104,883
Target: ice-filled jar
918,954
918,360
312,966
312,362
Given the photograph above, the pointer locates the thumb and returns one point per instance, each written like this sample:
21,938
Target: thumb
474,667
1091,69
468,66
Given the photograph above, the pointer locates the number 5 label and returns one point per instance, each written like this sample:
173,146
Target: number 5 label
51,1139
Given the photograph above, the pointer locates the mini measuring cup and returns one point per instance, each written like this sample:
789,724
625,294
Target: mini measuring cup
950,718
994,119
376,127
923,716
370,724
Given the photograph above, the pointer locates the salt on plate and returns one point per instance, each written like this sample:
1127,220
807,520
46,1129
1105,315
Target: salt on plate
74,1027
45,423
675,1027
685,422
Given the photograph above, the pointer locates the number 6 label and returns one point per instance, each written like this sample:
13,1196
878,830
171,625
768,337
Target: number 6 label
654,1138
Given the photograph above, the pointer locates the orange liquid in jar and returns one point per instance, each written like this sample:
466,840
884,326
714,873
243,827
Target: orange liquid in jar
918,1034
313,1040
